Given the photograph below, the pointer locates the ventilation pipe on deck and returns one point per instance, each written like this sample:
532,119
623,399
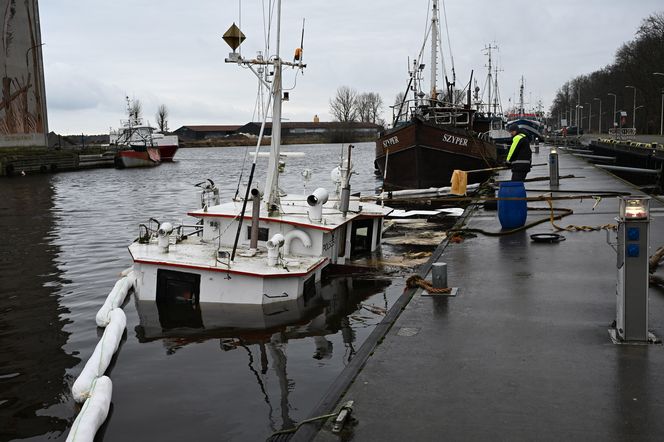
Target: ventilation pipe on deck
316,201
299,234
256,196
163,234
344,200
273,246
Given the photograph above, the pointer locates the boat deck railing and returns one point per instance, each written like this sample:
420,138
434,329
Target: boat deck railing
435,111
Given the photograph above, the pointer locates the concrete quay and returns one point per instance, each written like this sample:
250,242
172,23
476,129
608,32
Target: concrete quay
523,351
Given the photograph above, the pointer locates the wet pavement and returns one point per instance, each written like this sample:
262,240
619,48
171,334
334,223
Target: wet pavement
523,352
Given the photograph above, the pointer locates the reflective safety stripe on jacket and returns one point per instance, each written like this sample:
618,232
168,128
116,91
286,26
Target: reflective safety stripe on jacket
515,141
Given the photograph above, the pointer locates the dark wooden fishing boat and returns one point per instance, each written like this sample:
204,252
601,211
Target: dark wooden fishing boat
432,134
421,154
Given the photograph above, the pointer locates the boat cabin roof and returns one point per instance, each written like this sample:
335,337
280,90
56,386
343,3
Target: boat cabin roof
294,211
193,253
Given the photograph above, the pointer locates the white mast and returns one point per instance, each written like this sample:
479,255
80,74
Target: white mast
271,194
234,38
489,81
495,95
434,50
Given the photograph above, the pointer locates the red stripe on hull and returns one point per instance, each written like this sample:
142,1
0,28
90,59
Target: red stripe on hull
235,272
132,158
167,152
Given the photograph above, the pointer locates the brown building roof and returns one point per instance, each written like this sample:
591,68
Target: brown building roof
284,125
312,125
213,128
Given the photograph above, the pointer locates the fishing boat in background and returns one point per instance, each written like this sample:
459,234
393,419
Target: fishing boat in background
139,144
530,123
490,121
432,134
267,247
137,156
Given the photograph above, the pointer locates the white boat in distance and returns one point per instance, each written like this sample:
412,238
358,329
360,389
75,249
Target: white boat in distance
280,251
139,144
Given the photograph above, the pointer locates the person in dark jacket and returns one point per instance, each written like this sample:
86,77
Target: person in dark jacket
519,157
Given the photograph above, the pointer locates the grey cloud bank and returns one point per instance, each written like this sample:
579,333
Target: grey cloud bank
171,52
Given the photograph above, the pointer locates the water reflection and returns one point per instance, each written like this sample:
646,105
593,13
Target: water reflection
326,312
264,332
62,246
33,364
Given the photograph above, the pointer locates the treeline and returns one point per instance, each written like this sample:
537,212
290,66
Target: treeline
633,80
348,105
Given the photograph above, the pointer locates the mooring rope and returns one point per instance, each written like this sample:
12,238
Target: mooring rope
575,228
417,281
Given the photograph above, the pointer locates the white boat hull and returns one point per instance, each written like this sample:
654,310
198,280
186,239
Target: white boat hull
220,287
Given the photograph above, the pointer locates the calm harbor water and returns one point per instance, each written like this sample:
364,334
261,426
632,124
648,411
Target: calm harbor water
64,241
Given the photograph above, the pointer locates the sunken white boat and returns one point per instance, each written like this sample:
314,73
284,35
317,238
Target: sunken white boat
265,247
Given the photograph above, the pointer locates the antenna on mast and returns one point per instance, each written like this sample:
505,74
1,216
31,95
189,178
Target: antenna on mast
488,50
299,52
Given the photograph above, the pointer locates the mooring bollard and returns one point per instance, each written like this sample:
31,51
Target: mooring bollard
553,168
439,275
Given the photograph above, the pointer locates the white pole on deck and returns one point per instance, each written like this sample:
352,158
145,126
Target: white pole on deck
271,193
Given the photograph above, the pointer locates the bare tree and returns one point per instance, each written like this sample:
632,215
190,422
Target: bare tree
399,99
634,64
135,110
363,108
368,107
162,118
342,106
375,108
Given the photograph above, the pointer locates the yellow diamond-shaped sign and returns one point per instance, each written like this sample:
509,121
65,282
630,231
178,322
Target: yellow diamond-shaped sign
234,37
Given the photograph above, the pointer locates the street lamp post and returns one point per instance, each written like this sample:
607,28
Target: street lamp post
634,107
661,118
590,115
614,109
599,116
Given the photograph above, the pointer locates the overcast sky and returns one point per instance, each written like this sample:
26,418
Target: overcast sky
171,52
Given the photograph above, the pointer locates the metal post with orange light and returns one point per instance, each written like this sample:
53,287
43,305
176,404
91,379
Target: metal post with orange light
632,262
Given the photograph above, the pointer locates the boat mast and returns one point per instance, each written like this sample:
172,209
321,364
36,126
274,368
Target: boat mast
434,50
271,193
234,37
489,79
495,97
521,107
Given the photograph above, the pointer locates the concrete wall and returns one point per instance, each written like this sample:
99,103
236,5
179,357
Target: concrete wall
23,119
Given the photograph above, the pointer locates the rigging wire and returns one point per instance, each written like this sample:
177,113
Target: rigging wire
427,23
240,22
259,105
449,43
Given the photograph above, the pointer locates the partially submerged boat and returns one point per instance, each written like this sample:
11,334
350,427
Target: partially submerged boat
432,134
268,246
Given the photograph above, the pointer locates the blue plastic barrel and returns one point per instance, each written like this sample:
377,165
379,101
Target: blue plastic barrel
512,213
